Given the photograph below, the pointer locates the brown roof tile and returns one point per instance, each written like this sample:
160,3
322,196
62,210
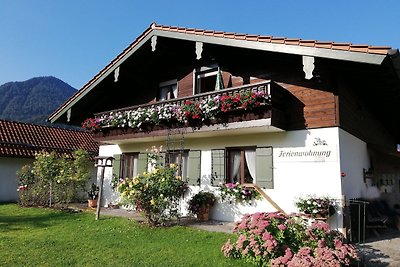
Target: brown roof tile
359,48
230,35
310,43
378,49
251,37
278,40
266,39
19,139
292,41
320,44
341,46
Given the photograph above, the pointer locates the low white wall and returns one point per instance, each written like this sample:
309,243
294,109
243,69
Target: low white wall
353,159
293,176
8,177
109,196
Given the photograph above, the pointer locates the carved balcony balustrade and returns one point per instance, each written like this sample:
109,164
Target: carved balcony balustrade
252,105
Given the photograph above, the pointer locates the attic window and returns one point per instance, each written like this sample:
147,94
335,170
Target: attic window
168,90
208,79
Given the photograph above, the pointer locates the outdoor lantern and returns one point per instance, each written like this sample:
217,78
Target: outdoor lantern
102,162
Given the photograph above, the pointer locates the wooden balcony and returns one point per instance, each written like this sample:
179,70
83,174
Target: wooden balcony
270,114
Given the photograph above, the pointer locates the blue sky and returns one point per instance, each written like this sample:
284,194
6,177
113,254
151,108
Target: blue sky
74,40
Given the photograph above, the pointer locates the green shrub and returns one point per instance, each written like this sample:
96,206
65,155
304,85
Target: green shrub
274,239
53,180
156,194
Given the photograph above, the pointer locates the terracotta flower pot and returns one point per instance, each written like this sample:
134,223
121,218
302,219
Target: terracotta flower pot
92,203
203,214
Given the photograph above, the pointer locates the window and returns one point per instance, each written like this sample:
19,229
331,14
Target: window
243,165
189,164
208,79
168,90
180,158
129,165
132,164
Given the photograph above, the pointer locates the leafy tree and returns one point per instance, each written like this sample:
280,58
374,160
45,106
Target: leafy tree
53,180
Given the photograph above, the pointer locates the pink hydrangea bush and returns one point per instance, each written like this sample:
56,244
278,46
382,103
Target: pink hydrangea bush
274,239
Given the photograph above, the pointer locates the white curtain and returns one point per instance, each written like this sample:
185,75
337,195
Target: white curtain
235,164
219,84
164,93
174,91
135,163
250,156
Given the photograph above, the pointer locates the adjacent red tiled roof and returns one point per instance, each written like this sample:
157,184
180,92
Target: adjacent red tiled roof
368,49
23,140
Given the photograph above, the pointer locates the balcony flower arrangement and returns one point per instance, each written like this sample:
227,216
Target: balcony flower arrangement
141,118
191,110
91,124
316,207
201,203
194,112
210,107
251,100
238,193
166,114
230,102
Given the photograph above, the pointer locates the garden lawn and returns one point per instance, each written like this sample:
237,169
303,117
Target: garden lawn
46,237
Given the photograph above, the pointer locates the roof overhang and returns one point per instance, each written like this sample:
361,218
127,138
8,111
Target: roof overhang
368,58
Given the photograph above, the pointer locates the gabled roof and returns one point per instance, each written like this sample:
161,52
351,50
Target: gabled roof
324,49
23,140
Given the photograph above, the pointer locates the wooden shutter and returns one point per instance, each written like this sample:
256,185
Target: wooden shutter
217,166
117,165
142,163
194,168
264,167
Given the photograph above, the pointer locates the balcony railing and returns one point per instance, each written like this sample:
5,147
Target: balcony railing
264,87
244,103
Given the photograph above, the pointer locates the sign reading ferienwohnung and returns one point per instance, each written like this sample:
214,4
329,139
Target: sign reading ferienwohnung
306,154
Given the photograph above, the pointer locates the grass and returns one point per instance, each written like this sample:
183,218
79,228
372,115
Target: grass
46,237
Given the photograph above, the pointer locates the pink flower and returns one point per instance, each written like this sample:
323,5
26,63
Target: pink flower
266,236
282,227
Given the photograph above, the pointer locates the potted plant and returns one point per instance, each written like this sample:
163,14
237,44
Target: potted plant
201,203
316,207
93,194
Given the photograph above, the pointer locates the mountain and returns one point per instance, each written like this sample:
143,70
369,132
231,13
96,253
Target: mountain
33,100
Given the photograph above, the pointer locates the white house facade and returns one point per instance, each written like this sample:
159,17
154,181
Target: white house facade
289,117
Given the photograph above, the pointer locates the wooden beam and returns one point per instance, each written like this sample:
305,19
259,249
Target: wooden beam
273,203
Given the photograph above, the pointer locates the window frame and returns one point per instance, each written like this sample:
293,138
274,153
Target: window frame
203,72
123,166
181,154
242,163
264,166
169,85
